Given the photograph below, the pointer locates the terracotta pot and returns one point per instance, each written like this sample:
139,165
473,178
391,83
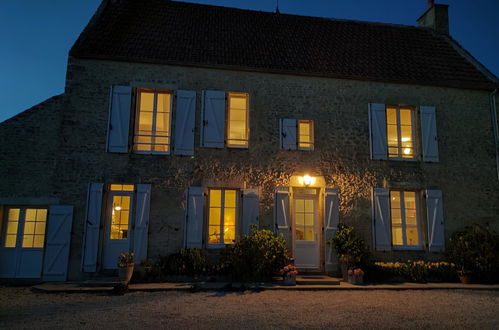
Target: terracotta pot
465,278
289,280
126,273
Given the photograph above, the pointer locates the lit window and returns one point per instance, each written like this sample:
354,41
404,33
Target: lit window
121,187
120,215
405,219
400,132
222,216
27,224
152,126
306,134
237,123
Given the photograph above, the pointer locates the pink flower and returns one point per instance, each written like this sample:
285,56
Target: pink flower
350,272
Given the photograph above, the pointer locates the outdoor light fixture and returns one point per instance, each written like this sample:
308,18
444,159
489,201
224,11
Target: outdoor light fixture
117,208
306,180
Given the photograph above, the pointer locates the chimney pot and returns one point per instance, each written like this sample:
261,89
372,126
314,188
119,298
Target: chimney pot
436,17
431,3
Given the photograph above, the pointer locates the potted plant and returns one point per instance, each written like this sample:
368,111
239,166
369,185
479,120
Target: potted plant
289,273
355,276
350,248
125,267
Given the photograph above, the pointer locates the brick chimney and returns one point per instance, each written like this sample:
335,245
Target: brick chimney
436,17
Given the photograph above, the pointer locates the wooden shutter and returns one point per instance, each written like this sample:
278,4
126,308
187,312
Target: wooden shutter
60,221
92,225
331,221
288,134
282,214
194,218
382,223
377,131
140,233
119,119
213,119
429,134
184,122
251,208
435,217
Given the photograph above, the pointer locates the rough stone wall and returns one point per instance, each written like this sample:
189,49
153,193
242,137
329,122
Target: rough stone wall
28,151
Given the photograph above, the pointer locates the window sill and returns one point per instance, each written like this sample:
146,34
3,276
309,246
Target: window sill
151,153
217,246
407,248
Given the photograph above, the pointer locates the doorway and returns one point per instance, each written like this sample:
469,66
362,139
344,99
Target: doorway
306,228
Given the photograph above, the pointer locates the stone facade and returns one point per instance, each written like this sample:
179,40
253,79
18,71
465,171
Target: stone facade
466,173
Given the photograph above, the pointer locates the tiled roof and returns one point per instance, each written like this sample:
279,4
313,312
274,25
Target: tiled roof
170,32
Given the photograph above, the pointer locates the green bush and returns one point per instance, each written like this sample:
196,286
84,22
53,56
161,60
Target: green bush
350,248
255,257
475,250
189,262
410,271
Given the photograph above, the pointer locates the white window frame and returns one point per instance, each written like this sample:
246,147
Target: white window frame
222,211
312,135
21,223
227,125
404,246
156,91
415,138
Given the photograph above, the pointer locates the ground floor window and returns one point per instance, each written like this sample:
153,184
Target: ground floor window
405,219
222,216
25,227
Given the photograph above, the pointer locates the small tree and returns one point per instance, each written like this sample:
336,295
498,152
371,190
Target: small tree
350,248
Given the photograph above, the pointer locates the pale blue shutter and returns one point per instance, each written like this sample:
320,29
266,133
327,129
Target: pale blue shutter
213,119
119,119
194,218
377,131
60,221
282,214
435,216
184,122
331,220
288,134
429,134
140,233
251,208
382,223
92,225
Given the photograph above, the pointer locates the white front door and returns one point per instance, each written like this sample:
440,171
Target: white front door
306,235
117,229
23,240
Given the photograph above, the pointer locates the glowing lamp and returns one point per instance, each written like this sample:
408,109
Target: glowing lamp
306,180
117,208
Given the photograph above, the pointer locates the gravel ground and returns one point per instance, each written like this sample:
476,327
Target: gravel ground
22,308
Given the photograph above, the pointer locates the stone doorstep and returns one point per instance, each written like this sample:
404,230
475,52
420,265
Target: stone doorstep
226,286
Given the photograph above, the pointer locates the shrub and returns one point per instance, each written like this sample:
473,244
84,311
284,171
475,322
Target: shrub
350,248
190,262
411,271
475,250
255,257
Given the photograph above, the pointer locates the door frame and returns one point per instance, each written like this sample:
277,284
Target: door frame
319,221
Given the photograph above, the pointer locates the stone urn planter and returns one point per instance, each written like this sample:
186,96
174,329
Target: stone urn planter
357,280
289,280
289,273
125,273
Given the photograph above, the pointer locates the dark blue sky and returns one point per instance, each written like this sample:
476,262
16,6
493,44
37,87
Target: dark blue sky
36,35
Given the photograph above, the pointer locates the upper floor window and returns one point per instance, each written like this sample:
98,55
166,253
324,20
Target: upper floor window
237,121
222,216
400,132
297,134
404,210
152,123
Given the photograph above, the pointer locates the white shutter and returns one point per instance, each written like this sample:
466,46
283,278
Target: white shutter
213,119
184,122
331,220
119,119
140,233
92,225
194,218
429,134
282,214
60,221
288,134
382,224
251,207
435,216
377,131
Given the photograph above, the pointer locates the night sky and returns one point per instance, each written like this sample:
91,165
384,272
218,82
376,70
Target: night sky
36,35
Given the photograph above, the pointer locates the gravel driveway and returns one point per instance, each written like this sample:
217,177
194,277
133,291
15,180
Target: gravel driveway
22,308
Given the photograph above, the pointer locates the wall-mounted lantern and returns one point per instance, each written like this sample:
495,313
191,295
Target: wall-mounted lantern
306,180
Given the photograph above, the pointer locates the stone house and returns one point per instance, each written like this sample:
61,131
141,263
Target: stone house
182,124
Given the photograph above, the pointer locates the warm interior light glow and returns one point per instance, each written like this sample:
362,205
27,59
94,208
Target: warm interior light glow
407,151
117,208
406,139
306,180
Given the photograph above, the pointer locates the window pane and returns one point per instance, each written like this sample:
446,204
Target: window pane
305,134
14,214
214,234
29,228
299,205
397,236
396,217
27,241
300,234
412,236
40,228
38,241
229,216
392,136
164,101
215,198
238,122
309,205
120,217
145,122
391,116
309,219
12,227
405,117
309,234
30,215
229,234
395,199
41,215
146,101
230,198
163,123
10,241
299,219
214,217
410,199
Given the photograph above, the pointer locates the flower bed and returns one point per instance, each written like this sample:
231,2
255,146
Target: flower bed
411,271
